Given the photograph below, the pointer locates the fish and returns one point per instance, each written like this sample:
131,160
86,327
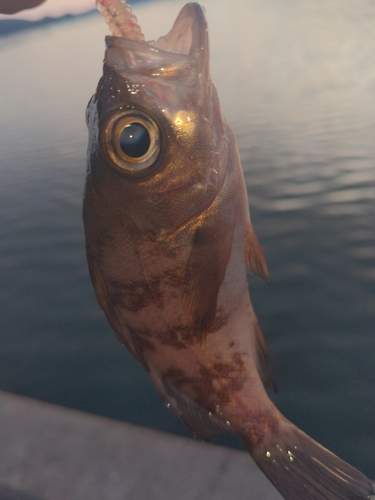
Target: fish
169,243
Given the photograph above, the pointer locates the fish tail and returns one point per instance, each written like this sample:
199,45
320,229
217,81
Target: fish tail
302,469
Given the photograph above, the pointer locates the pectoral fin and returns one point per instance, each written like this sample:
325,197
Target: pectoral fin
204,274
255,261
262,358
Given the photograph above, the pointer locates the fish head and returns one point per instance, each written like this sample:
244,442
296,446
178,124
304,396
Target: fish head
157,149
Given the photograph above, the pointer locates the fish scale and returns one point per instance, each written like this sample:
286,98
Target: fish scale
169,241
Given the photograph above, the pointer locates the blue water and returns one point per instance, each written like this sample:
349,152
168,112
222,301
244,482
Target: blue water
297,83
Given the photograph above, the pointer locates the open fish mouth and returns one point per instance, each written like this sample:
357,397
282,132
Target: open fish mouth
182,39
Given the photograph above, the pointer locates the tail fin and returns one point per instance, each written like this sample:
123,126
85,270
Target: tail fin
301,469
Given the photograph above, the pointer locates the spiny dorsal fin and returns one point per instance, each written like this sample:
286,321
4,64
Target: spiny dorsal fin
255,261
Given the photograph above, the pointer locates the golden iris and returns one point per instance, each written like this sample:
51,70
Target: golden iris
132,141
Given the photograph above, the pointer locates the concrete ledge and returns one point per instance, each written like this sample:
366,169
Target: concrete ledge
7,493
52,453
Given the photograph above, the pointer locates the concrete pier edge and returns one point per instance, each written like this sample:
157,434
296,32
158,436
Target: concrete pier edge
54,453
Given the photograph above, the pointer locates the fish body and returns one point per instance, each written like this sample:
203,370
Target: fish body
169,241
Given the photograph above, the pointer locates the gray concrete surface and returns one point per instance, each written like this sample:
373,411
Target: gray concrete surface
52,453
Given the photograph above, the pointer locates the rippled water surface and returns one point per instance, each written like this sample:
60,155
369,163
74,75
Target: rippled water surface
297,83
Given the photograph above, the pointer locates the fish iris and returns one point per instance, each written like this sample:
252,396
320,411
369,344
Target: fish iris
135,140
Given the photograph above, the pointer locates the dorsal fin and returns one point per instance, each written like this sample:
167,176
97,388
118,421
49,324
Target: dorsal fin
255,261
262,358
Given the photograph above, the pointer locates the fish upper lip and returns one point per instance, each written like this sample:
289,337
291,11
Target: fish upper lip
143,51
127,57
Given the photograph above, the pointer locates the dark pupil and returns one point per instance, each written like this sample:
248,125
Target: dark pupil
135,140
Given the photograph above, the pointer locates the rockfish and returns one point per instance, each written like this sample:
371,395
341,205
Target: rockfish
169,241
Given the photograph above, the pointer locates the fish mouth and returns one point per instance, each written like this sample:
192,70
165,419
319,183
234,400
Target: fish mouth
178,58
186,31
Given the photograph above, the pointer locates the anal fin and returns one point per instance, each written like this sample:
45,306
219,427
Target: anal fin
202,424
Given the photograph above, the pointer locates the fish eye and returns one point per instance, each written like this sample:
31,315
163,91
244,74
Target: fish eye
135,140
131,139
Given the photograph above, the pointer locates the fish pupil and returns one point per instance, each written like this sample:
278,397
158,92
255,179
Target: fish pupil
135,140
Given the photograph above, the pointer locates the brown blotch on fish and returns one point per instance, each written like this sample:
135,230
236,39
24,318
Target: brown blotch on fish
260,428
174,276
168,337
101,245
189,333
134,295
231,377
199,387
177,376
210,385
146,345
181,336
138,345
